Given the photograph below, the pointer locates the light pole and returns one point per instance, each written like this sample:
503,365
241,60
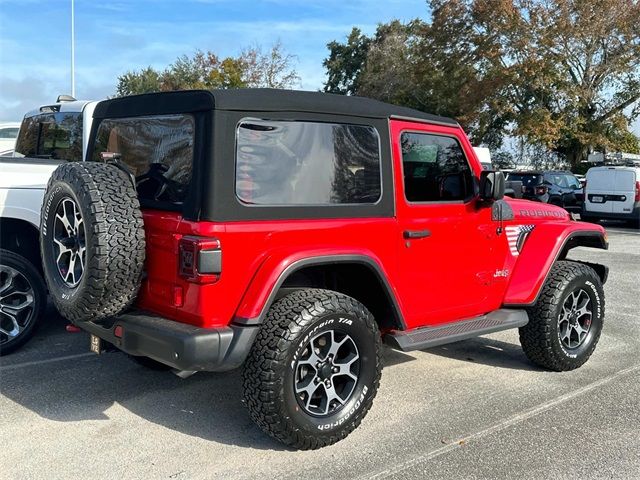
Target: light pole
73,52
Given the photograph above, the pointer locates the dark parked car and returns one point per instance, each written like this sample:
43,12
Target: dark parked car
555,187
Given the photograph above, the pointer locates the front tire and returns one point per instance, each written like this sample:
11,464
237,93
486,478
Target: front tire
566,321
23,299
314,368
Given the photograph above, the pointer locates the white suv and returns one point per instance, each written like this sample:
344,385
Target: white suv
48,135
612,193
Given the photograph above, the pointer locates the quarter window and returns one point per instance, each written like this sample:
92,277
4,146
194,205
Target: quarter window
435,168
158,150
306,163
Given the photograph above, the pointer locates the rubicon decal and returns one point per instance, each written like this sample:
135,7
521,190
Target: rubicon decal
516,235
543,213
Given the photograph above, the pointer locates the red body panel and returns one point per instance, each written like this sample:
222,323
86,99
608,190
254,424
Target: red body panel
464,268
542,248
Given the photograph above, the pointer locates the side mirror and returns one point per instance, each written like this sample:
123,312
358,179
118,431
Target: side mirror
492,185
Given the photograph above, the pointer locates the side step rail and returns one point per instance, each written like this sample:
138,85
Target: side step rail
427,337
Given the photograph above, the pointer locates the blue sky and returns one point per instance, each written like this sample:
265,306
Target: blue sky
115,36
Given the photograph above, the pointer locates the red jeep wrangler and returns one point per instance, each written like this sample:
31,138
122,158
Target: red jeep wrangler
293,232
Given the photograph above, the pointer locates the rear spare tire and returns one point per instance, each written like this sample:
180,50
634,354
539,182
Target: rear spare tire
92,240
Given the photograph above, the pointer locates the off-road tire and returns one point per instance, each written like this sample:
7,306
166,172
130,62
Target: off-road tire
268,376
36,307
113,235
540,338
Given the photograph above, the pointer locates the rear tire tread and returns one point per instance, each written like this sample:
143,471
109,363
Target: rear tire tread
285,318
115,262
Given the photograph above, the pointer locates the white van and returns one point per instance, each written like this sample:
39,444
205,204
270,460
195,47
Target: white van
613,193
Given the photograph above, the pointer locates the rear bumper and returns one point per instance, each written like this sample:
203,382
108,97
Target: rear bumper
633,215
179,345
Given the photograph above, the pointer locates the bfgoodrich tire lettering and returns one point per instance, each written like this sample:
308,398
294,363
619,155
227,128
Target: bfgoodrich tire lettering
544,339
270,371
112,238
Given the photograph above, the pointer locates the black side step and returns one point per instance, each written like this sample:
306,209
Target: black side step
427,337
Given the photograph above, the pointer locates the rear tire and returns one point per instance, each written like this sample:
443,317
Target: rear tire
566,321
314,368
92,240
23,299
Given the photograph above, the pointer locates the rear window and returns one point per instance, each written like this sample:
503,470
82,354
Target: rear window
557,179
306,163
51,135
527,179
604,179
158,150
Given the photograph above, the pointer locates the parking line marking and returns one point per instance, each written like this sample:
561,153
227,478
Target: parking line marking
42,362
623,232
513,420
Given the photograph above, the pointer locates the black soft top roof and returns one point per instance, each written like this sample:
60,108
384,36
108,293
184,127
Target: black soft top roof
257,100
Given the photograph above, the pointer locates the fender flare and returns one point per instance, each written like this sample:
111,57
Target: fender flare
314,260
525,287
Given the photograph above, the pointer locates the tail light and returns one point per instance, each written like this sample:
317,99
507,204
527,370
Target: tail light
637,199
540,190
200,259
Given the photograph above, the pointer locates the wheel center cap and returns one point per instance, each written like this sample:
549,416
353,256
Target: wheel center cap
325,371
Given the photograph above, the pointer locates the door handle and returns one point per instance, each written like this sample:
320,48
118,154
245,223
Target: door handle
415,234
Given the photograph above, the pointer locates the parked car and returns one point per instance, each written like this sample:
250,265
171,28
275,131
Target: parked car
47,136
555,187
8,135
613,192
513,189
292,232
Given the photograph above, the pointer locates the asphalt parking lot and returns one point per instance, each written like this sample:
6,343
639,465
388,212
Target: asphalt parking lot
474,409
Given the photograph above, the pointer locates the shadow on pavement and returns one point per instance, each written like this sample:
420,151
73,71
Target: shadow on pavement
486,351
206,405
392,357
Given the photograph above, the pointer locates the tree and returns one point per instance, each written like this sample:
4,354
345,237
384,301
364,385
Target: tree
205,70
562,74
273,69
345,63
570,68
145,81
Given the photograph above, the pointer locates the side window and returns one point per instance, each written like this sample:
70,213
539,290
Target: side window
158,150
435,168
51,135
306,163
